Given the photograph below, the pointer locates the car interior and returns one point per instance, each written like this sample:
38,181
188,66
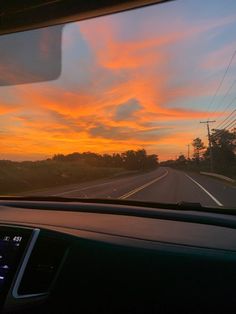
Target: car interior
75,255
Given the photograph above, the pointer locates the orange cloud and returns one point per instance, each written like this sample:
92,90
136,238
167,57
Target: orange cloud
128,101
5,109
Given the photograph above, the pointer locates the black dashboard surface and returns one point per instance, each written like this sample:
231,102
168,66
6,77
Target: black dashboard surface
181,232
104,263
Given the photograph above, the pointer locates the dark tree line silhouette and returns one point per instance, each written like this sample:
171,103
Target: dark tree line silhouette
130,160
223,145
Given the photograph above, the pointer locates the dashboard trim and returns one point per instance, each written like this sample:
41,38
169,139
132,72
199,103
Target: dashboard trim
20,273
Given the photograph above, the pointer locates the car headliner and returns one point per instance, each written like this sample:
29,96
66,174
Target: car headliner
18,16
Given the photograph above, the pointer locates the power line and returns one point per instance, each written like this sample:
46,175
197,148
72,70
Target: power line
225,126
222,80
230,125
229,105
219,86
221,132
205,78
223,98
221,124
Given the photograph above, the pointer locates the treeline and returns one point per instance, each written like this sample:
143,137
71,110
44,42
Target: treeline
69,169
220,158
130,160
32,175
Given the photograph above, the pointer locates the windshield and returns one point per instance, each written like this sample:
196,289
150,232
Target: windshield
144,109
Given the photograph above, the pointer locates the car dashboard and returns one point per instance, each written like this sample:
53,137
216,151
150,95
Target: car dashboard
68,261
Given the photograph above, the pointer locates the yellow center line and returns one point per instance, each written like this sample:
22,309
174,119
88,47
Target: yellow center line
143,186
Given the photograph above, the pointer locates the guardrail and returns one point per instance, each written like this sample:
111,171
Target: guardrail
219,176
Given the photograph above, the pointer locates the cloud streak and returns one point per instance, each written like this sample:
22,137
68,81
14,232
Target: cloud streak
126,83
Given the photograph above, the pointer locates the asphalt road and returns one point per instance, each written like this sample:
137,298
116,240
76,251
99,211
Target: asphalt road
161,185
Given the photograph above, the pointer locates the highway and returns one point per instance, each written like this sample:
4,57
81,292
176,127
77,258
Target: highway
161,185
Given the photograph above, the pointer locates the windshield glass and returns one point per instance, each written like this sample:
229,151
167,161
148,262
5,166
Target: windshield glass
144,109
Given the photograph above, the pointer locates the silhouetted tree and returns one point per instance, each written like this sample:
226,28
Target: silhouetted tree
117,160
59,157
181,160
198,146
223,150
131,160
139,160
152,161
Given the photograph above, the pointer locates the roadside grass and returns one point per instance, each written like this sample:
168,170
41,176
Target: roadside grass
16,177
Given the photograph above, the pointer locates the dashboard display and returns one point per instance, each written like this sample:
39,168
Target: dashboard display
9,248
13,242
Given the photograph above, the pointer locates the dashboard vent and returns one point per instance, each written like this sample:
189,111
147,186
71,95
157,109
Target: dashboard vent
42,266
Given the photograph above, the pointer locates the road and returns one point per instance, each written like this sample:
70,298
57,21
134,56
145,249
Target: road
161,185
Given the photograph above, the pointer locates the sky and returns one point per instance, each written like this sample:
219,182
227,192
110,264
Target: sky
138,79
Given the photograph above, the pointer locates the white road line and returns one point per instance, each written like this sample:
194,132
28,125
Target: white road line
208,193
81,189
143,186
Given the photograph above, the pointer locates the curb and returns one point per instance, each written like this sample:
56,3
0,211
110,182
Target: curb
219,176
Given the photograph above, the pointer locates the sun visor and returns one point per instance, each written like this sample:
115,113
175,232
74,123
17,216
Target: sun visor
35,55
30,56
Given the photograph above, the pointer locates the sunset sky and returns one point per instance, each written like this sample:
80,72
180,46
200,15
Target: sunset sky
139,79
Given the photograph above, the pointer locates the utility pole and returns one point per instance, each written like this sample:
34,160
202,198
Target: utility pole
209,141
188,151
